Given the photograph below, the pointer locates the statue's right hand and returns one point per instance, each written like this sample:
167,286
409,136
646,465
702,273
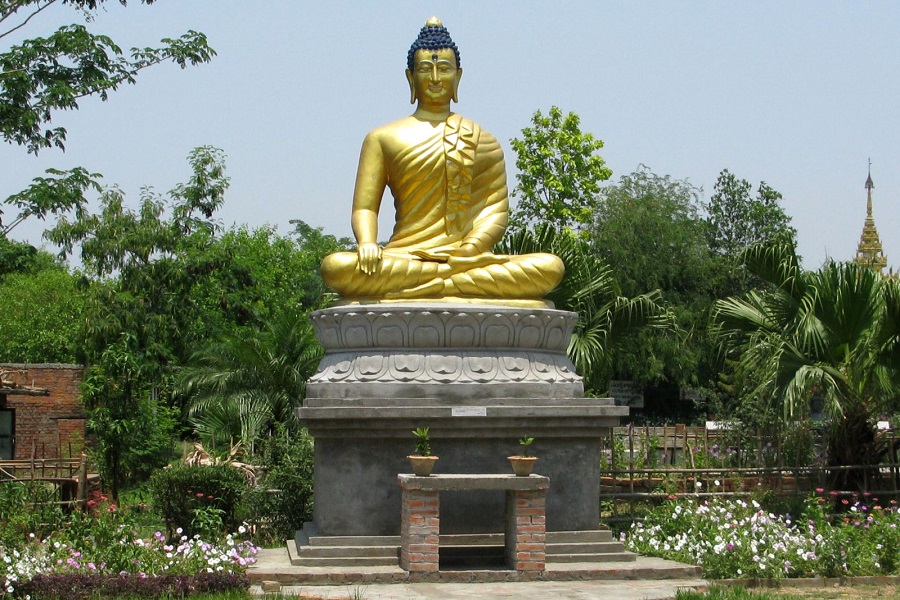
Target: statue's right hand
369,256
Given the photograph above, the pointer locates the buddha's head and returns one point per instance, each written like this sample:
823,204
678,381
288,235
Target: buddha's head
433,70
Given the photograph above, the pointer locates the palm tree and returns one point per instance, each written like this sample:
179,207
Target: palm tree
590,289
245,383
835,332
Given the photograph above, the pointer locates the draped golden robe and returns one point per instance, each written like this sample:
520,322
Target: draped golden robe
449,189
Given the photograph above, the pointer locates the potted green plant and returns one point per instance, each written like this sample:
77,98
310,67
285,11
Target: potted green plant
422,461
523,463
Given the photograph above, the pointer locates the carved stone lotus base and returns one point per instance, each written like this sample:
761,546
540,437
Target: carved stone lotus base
443,351
481,378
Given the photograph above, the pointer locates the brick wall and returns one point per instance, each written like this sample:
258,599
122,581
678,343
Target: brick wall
47,423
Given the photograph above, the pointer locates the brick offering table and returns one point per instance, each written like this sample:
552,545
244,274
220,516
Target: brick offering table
525,526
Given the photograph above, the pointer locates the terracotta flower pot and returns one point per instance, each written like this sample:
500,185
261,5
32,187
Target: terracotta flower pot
522,465
422,465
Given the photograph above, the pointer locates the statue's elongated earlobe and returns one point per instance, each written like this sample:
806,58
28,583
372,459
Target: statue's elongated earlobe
412,87
456,85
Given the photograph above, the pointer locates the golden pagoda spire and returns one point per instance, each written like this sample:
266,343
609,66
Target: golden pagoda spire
869,253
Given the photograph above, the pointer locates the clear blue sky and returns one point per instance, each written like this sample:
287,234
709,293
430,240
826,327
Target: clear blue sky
798,94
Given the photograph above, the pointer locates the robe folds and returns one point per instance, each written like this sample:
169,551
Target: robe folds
449,189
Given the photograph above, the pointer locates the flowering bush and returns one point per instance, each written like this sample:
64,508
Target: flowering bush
105,543
738,539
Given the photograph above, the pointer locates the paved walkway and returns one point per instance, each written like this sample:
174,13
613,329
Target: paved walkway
539,590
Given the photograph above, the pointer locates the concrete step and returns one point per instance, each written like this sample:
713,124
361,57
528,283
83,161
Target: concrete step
346,561
585,548
354,540
563,537
342,556
605,557
366,551
346,551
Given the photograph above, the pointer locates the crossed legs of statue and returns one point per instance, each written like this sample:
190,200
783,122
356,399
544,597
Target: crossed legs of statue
482,276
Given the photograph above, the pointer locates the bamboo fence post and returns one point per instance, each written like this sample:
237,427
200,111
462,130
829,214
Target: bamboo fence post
81,494
631,468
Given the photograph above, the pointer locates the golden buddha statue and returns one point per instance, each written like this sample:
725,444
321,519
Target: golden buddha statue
448,179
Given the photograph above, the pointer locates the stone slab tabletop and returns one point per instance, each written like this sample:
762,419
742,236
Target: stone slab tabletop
459,482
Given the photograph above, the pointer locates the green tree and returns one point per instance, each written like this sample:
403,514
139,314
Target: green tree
243,278
50,334
737,220
559,173
132,428
135,259
834,332
589,288
44,75
649,228
244,385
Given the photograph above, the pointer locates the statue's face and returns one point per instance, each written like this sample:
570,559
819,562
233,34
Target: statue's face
435,76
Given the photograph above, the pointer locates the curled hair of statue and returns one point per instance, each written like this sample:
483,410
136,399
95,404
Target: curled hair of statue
432,37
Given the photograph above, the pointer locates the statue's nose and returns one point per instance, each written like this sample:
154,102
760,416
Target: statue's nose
434,73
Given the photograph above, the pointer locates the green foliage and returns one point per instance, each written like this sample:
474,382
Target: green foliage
835,333
559,173
605,317
135,258
50,334
61,192
99,552
736,221
305,275
525,443
722,593
648,226
737,539
244,384
423,441
283,499
194,498
44,75
245,278
132,430
27,507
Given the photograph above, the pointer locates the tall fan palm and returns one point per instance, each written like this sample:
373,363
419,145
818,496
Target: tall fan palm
836,331
589,288
243,384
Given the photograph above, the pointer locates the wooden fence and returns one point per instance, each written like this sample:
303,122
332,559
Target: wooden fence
69,476
646,465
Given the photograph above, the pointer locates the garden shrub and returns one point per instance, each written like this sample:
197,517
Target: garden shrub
198,499
27,507
56,586
283,500
737,539
101,549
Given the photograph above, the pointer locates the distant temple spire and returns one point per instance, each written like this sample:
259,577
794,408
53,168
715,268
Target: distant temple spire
869,253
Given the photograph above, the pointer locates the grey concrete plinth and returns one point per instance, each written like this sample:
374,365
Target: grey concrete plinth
480,377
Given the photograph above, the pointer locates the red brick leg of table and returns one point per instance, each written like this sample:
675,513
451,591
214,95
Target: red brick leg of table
419,530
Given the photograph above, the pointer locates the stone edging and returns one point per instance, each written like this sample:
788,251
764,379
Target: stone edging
808,582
